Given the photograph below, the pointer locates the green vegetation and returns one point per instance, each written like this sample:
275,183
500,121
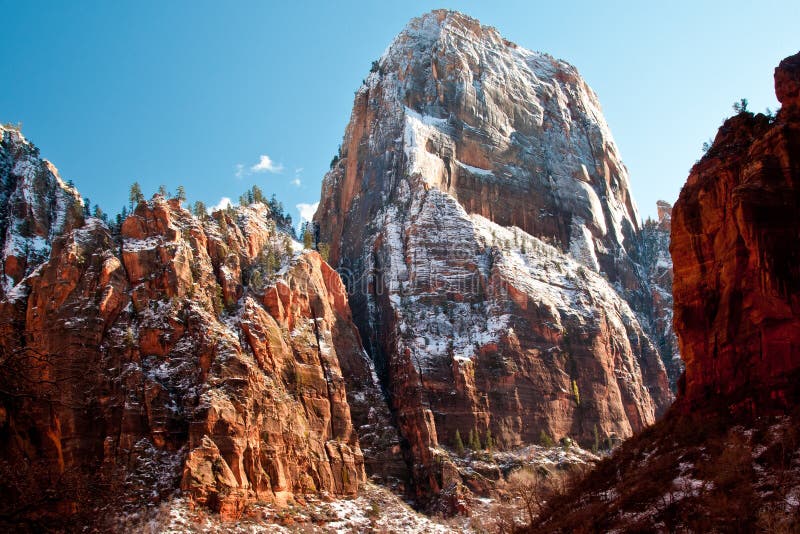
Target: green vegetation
472,441
268,262
135,196
252,196
488,440
199,210
374,511
324,250
458,444
308,237
216,300
740,106
576,394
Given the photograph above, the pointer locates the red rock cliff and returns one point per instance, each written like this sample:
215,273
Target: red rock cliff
735,235
483,218
174,356
726,458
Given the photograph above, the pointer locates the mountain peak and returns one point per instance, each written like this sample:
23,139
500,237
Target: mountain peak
476,176
448,20
446,33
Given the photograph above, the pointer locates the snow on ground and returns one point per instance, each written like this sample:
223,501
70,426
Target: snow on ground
375,510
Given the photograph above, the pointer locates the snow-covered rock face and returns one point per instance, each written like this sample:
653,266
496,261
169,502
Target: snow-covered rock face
513,135
654,256
35,207
482,218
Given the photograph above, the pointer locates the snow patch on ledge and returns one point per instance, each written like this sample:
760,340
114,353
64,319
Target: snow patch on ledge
138,245
475,170
416,133
581,245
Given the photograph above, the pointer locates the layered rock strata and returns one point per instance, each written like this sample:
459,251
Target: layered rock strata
726,458
734,244
482,219
209,355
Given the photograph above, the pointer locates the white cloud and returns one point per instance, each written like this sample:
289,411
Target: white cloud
296,182
298,170
307,210
239,170
265,164
223,203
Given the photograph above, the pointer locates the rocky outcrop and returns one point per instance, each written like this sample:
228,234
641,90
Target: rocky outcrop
481,217
737,274
207,355
726,458
36,206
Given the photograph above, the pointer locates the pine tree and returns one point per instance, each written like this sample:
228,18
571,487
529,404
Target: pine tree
180,194
475,440
86,204
135,196
199,210
576,392
288,249
256,280
123,214
162,190
545,440
489,441
308,238
324,251
458,444
258,195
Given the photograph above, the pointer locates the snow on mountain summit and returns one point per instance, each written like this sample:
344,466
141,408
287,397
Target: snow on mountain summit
483,219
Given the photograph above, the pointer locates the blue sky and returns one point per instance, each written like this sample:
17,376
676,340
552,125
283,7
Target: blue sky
197,93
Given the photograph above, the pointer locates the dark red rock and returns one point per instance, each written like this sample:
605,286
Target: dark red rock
735,233
725,456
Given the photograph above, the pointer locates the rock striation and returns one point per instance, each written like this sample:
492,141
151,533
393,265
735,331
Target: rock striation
210,355
737,274
481,217
36,206
726,458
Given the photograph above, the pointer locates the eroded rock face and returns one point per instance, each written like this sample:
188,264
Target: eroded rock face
653,253
174,357
482,219
36,206
735,248
727,454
